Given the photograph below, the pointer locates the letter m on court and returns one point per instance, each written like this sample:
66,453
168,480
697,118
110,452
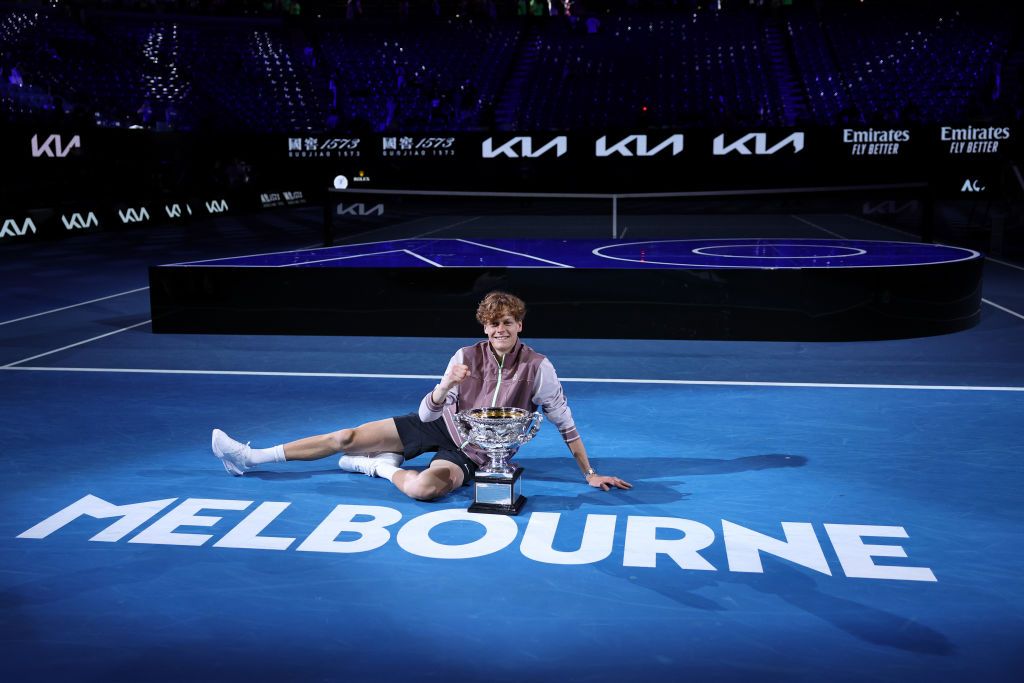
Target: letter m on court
131,517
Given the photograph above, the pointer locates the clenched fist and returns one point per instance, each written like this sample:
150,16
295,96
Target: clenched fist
455,376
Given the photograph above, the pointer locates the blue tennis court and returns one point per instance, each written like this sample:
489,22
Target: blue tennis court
800,511
618,254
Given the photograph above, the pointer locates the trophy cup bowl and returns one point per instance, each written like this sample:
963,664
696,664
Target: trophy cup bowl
500,432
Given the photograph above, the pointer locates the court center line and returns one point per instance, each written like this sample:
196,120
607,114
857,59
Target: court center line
10,366
815,225
1003,308
593,380
536,258
64,308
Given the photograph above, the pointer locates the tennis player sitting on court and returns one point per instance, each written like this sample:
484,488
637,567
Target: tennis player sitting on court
499,371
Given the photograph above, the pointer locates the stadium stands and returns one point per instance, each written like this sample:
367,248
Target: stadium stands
188,67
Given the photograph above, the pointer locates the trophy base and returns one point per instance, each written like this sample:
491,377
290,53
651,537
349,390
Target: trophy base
498,494
492,509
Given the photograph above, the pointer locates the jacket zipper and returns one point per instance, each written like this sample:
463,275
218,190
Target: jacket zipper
501,364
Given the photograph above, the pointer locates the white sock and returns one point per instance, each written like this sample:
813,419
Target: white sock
386,471
261,456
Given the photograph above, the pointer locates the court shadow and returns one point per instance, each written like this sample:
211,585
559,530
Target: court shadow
269,475
648,476
869,624
630,469
640,469
866,623
654,478
650,494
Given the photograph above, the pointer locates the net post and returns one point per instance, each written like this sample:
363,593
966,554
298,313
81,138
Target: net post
615,216
328,221
928,215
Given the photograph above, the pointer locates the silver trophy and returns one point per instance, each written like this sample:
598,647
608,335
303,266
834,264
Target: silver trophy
497,486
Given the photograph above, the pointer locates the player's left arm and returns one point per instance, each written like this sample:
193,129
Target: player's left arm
604,482
550,396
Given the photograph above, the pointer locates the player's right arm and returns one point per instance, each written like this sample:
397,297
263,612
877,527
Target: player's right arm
446,391
452,378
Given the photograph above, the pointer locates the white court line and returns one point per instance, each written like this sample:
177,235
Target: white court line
64,308
339,258
374,230
336,246
812,385
1003,308
1003,263
414,237
241,373
881,225
703,251
904,232
422,258
266,253
815,225
289,251
10,366
445,227
600,252
536,258
595,380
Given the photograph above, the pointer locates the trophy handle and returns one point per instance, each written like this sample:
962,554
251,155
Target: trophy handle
531,431
461,426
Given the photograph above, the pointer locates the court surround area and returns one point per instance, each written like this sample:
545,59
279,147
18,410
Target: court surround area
801,511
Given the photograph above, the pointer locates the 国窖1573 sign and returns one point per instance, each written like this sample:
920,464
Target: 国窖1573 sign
314,147
369,527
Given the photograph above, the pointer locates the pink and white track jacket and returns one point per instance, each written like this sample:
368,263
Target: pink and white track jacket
522,379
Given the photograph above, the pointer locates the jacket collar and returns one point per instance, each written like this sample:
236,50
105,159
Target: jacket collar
511,358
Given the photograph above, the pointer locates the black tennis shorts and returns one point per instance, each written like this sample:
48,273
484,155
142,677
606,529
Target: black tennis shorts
432,437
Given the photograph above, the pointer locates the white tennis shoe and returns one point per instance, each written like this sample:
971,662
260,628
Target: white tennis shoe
367,463
233,455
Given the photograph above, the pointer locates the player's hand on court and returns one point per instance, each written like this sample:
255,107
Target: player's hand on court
606,483
456,375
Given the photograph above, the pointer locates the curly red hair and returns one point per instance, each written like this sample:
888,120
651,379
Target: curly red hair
496,305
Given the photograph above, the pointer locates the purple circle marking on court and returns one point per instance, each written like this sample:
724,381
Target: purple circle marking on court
782,253
778,251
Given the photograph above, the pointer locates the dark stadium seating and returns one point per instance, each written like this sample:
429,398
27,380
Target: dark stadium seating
189,67
444,76
684,68
898,64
